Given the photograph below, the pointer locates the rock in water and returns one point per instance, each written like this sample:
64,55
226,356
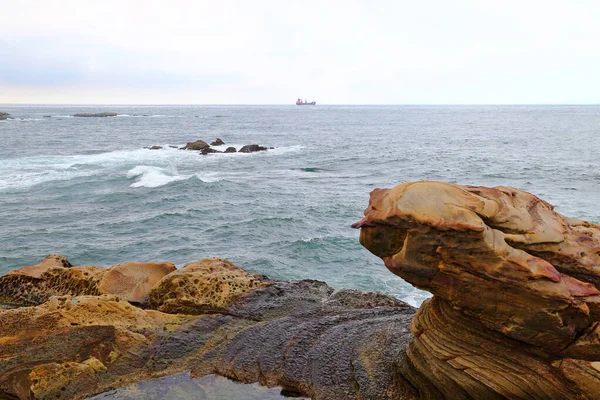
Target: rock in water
209,150
5,115
197,145
217,142
230,150
516,303
96,115
251,148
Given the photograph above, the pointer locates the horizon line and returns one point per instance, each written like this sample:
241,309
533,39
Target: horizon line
292,104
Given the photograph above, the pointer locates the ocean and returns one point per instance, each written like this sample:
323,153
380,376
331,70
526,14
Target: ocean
86,188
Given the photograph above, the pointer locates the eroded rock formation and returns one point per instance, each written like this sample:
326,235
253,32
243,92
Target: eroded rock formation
514,314
69,341
516,302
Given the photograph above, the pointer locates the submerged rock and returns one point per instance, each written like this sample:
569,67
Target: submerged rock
251,148
155,147
197,145
96,115
217,142
516,303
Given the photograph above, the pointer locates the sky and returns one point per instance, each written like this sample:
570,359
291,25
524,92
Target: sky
272,52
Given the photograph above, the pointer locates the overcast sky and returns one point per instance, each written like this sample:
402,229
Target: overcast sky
271,52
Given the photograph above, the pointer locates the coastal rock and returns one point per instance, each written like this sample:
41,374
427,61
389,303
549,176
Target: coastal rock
516,303
96,115
208,150
217,142
230,150
154,147
303,336
201,287
5,115
251,148
197,145
53,276
133,281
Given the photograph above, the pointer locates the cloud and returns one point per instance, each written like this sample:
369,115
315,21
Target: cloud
273,51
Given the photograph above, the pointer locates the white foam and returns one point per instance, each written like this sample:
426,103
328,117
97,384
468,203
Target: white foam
152,177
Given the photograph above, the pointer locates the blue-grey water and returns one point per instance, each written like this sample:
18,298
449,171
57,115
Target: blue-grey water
86,187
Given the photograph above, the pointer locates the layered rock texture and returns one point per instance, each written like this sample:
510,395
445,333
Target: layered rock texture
516,302
73,333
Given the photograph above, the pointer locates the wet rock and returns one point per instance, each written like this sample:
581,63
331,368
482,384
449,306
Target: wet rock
133,281
230,150
209,150
217,142
5,115
515,312
96,115
197,145
155,147
251,148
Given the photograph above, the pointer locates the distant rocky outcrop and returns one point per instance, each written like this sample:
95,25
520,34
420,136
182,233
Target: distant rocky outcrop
197,145
5,115
516,306
97,115
251,148
204,148
209,150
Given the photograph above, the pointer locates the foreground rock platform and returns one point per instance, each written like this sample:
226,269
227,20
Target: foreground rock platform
515,312
73,334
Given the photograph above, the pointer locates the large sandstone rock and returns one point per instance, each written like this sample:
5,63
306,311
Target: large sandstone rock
204,286
133,281
303,336
516,302
53,276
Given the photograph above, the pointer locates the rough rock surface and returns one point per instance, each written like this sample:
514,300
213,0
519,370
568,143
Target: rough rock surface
303,336
217,142
251,148
5,115
230,150
516,303
204,286
197,145
97,115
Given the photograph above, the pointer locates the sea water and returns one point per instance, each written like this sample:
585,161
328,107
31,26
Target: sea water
86,187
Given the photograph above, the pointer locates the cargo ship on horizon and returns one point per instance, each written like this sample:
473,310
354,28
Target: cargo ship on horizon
299,102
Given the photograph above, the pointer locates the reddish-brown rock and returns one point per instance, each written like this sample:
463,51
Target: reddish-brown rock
508,274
